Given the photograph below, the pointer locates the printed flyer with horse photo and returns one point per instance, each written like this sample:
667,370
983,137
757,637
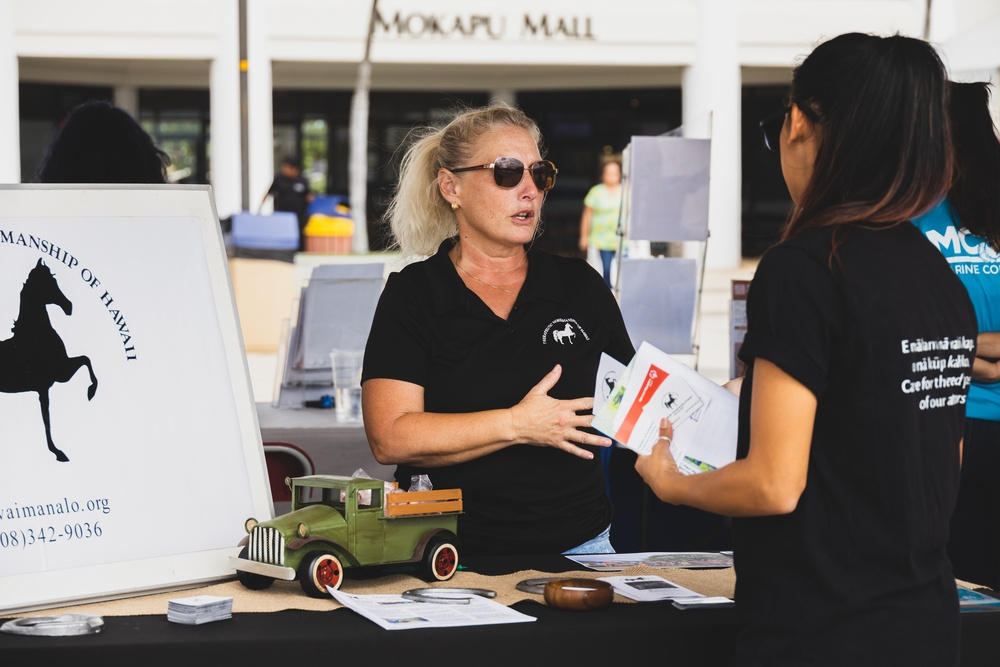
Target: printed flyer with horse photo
630,401
126,418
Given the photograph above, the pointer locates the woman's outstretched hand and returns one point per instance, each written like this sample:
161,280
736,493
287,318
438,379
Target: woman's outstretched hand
542,420
658,469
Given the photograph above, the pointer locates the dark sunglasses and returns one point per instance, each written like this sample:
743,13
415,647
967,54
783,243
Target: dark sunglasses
508,171
770,130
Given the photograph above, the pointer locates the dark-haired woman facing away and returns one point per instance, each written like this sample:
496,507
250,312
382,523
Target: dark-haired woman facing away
966,229
859,348
101,143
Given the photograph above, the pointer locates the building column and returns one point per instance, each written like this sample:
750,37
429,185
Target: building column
260,104
225,161
127,99
10,122
711,97
508,95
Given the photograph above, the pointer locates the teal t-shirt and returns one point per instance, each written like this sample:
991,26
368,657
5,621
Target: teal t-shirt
977,265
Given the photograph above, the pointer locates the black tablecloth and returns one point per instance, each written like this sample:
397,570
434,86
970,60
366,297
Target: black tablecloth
656,632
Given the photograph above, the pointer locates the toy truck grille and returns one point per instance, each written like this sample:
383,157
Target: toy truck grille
267,546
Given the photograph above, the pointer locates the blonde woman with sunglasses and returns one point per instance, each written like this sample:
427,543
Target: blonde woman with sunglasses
480,366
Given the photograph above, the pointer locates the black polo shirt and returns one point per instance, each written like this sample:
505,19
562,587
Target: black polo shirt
884,338
431,330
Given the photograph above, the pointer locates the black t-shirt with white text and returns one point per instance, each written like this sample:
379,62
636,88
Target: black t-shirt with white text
884,337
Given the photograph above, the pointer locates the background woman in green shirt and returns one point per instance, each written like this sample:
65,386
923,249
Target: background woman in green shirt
599,224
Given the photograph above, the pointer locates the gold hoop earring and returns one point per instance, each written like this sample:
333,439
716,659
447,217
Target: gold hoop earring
454,206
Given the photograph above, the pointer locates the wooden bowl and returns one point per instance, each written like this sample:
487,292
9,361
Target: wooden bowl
578,594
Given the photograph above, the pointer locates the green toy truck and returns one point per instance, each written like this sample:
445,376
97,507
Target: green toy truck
343,522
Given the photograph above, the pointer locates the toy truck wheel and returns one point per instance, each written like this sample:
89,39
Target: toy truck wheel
255,582
440,560
318,570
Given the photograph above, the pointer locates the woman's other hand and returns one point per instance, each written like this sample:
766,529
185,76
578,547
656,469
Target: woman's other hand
658,468
986,366
734,385
542,420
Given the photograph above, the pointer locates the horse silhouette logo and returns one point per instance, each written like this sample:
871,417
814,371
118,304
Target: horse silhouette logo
609,384
564,334
34,358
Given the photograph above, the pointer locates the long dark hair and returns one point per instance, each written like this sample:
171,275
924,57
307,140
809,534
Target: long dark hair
975,192
101,143
879,104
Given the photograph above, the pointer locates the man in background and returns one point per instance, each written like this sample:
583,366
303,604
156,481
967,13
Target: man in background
291,193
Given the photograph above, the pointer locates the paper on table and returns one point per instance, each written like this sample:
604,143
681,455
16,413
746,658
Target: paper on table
665,560
394,612
649,588
655,385
974,601
703,602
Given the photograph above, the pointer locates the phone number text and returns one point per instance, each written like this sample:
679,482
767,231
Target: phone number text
22,539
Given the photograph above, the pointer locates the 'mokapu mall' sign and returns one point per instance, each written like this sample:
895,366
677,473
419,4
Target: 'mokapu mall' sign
541,26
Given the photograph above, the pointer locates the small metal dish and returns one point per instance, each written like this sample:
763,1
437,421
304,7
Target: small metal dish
55,626
536,586
447,595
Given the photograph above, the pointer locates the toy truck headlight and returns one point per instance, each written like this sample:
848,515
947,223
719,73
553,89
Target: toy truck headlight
302,530
249,525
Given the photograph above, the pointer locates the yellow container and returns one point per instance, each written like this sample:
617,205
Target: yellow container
329,234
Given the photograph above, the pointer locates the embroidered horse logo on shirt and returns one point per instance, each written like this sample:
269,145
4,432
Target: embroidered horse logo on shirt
564,331
563,335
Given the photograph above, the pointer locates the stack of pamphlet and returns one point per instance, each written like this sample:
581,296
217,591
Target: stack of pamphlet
199,609
630,401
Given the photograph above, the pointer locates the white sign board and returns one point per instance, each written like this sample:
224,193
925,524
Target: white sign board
128,432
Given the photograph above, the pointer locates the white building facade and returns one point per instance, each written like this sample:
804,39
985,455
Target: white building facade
701,59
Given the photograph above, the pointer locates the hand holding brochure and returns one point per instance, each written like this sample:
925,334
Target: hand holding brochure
655,385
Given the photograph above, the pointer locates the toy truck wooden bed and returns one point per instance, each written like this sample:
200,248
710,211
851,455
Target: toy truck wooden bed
343,522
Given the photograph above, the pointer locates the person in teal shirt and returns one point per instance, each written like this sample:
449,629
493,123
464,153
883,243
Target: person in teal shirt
965,227
599,224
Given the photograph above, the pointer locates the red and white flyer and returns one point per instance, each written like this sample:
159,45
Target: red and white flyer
655,385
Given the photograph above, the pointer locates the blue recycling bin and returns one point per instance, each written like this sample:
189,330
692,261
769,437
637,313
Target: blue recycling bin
278,231
327,204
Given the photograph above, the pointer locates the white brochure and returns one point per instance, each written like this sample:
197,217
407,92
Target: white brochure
654,385
394,612
649,588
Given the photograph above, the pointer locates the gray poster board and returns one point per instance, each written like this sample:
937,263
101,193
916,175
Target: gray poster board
657,297
666,183
336,309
